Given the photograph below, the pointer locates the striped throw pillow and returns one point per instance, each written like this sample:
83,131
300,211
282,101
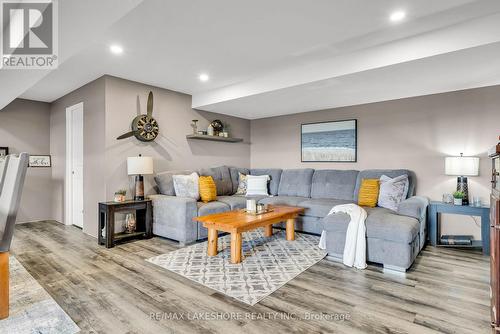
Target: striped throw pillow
368,192
208,190
257,185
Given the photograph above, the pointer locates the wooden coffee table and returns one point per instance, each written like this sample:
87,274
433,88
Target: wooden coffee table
238,221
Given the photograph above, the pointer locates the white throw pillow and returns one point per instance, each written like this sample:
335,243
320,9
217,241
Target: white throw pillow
392,191
186,186
257,185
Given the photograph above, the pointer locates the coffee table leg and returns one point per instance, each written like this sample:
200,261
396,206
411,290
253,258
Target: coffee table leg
235,247
290,229
212,242
268,230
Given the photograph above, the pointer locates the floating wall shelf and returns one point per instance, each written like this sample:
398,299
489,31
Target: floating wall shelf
215,138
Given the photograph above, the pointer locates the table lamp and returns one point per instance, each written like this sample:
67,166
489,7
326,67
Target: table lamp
139,166
462,167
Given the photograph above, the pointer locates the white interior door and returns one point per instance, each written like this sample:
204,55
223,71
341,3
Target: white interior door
74,164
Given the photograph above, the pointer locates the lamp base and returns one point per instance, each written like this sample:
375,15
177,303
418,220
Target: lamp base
139,188
463,186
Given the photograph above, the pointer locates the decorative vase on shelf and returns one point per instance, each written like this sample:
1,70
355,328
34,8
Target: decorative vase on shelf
447,198
210,130
130,223
217,126
194,125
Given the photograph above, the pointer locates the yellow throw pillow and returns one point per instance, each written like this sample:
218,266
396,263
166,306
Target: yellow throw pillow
368,192
208,190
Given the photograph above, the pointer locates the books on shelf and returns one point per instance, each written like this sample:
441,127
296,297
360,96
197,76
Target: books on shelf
462,240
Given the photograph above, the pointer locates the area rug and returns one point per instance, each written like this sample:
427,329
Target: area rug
32,309
268,264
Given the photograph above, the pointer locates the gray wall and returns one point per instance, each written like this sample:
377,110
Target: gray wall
110,104
92,96
415,133
25,127
171,150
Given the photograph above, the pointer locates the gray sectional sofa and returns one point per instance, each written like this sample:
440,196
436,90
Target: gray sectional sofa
394,238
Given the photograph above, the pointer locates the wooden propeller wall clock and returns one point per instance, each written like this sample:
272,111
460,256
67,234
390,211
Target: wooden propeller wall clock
144,127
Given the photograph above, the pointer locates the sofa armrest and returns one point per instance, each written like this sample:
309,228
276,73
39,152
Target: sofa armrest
415,207
173,218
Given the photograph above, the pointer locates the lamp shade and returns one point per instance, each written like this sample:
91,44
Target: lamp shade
139,165
462,166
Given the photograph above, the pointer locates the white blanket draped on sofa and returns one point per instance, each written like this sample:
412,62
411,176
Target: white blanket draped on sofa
355,239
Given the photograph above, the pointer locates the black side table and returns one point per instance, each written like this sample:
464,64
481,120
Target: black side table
144,220
436,208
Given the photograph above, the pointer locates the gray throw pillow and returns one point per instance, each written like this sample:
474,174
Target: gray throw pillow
165,182
187,186
392,191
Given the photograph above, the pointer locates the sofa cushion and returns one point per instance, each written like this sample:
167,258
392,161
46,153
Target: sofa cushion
381,223
318,207
336,184
386,252
274,174
211,207
222,179
392,173
235,202
415,207
165,182
296,182
283,200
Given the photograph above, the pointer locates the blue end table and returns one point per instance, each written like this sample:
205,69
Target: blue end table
436,208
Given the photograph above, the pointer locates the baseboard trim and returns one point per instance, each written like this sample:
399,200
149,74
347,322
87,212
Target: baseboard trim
334,258
394,270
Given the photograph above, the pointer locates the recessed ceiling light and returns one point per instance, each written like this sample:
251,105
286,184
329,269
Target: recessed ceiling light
204,77
116,49
397,16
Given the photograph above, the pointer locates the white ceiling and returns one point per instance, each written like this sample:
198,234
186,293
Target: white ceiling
268,58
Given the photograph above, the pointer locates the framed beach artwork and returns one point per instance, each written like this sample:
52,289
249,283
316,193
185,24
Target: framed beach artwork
329,141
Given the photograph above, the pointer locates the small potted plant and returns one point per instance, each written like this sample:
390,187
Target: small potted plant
458,197
120,195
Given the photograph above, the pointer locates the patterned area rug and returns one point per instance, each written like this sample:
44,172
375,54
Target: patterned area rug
32,309
268,264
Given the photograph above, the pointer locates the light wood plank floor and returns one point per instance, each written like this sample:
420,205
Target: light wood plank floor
116,291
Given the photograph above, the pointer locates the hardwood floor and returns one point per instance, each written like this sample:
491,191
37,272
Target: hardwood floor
116,291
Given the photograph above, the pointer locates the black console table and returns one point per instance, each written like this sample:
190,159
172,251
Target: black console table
436,208
143,217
